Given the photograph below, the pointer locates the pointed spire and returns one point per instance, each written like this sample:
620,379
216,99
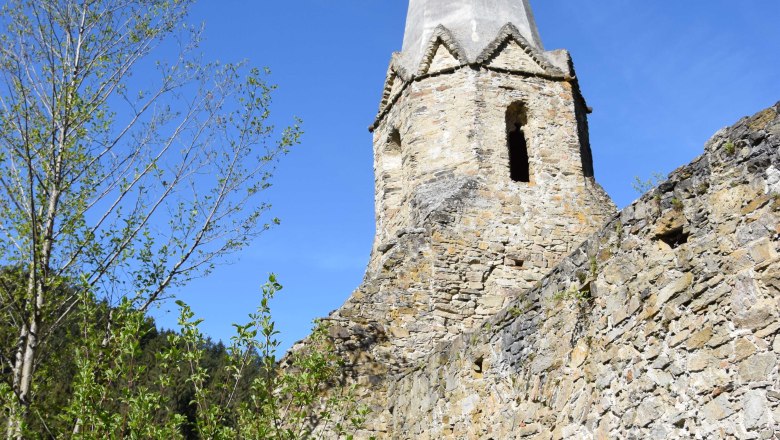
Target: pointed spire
474,24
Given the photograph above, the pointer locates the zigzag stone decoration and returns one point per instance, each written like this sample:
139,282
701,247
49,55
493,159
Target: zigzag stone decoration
510,33
442,36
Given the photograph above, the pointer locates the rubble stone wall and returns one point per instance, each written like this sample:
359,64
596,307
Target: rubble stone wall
664,324
456,237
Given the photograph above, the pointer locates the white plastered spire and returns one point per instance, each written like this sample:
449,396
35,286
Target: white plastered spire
474,24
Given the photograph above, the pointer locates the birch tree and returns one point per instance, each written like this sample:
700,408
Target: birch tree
128,165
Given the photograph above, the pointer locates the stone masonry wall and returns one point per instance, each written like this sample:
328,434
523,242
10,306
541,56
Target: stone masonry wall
461,239
662,325
456,238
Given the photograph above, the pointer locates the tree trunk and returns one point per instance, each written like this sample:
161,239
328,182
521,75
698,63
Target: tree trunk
23,364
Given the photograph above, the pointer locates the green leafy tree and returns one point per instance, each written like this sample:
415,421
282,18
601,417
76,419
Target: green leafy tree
250,396
304,399
122,186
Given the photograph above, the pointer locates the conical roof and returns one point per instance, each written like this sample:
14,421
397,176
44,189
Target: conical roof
473,24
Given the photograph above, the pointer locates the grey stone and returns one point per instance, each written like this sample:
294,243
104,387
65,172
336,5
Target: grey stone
661,378
718,409
662,361
659,433
757,367
629,418
648,412
743,349
755,410
700,360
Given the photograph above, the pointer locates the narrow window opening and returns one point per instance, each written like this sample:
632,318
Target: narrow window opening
478,367
394,142
516,120
390,161
675,237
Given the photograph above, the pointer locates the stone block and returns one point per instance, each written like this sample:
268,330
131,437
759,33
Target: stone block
757,367
743,349
699,339
755,409
701,360
674,288
718,409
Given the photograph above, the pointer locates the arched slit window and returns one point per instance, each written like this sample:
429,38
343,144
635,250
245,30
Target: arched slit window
394,142
391,168
517,142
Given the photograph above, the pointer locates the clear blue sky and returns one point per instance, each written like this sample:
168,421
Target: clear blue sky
661,75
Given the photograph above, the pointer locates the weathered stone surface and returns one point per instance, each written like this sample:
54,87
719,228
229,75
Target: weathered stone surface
757,367
718,409
666,369
701,360
755,407
648,411
743,349
699,339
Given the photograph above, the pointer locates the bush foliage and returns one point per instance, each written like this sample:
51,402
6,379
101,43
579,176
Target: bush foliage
133,380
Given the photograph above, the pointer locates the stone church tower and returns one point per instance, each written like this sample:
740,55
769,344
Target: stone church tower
504,297
484,180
